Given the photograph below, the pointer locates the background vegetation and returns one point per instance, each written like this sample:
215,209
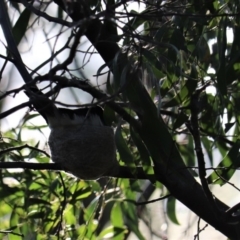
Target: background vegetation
168,82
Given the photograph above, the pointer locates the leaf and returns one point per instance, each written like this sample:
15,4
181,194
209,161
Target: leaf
14,218
21,25
69,215
228,126
36,215
37,201
82,193
117,71
194,72
131,218
151,58
134,23
187,150
116,215
178,40
222,44
34,152
123,149
109,116
6,191
182,98
109,86
208,147
90,211
112,232
144,154
229,165
181,119
171,211
161,32
60,12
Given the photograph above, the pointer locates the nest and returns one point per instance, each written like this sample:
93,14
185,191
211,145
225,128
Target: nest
88,152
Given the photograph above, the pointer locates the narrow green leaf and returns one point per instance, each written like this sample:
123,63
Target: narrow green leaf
208,147
116,215
228,126
171,210
14,218
229,165
181,119
109,116
36,215
21,25
37,201
82,193
222,45
144,154
131,219
123,149
183,96
112,232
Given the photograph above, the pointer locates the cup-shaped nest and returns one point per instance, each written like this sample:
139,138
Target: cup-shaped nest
88,152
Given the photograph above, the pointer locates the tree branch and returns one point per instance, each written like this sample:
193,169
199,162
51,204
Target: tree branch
124,172
22,147
194,107
64,82
12,47
44,15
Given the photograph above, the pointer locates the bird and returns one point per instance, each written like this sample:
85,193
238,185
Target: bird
79,139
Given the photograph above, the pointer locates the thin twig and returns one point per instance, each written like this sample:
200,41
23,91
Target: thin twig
22,147
147,202
194,129
13,50
225,180
14,109
72,53
63,205
64,82
45,16
196,236
53,56
11,232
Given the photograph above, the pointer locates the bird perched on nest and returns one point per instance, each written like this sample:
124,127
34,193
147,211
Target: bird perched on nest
79,139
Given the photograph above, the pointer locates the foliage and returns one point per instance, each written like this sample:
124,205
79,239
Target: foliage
188,106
